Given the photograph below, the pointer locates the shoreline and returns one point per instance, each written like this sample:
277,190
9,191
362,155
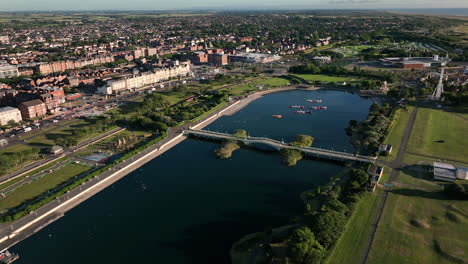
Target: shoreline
14,232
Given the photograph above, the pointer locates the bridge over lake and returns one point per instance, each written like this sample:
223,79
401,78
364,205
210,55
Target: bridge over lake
278,145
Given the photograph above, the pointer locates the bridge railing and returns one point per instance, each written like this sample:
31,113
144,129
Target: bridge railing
281,144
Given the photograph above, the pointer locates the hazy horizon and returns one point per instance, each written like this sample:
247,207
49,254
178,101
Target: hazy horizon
187,5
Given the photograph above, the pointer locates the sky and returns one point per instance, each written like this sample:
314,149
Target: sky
53,5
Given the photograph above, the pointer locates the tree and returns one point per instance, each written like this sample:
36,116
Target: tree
328,227
303,248
374,108
360,176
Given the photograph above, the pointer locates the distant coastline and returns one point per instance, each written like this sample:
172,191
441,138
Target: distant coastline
434,11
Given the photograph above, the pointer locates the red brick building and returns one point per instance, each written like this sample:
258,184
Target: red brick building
32,109
218,59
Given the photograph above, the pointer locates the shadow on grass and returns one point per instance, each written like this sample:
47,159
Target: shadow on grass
458,110
422,172
40,144
54,136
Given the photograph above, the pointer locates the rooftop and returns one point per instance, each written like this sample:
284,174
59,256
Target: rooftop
7,109
442,165
32,102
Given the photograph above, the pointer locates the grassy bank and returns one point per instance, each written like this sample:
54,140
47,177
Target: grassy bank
351,245
398,125
439,134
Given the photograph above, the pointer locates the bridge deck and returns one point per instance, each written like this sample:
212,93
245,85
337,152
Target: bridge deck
323,153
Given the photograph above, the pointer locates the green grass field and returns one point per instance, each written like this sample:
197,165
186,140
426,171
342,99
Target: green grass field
350,247
253,86
322,78
435,125
421,226
396,131
414,159
328,78
30,190
15,148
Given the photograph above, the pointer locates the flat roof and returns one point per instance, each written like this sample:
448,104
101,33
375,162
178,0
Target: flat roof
444,166
7,108
445,173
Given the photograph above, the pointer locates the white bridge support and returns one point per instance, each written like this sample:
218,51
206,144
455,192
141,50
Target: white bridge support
310,151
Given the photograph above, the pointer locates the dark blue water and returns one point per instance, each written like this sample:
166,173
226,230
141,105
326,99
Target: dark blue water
188,207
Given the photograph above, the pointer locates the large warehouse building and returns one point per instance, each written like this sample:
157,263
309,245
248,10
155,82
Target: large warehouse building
415,62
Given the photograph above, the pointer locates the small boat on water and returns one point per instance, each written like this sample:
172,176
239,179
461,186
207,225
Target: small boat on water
299,112
314,101
297,106
277,116
318,107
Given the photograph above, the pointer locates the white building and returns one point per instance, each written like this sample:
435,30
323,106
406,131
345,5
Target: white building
462,173
7,70
9,113
253,57
146,78
448,172
323,59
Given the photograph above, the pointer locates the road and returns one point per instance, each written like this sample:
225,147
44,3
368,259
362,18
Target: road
396,166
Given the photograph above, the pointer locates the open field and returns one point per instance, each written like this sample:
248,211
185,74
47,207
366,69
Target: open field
48,139
350,247
460,34
415,159
439,134
15,148
419,176
253,86
397,129
48,181
12,152
328,78
421,226
38,169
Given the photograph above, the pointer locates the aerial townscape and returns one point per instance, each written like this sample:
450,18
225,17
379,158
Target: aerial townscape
234,132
